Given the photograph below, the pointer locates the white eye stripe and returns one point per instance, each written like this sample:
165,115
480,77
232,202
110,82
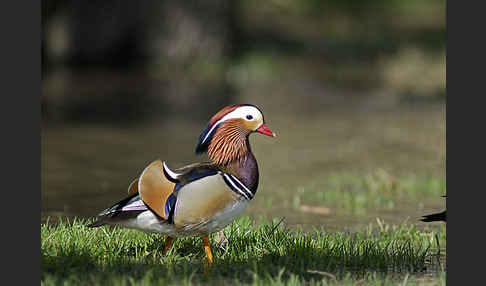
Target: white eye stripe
240,112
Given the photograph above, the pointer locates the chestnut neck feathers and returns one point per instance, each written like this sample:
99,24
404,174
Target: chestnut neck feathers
229,143
230,150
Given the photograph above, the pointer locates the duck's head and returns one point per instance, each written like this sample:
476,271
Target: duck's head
225,137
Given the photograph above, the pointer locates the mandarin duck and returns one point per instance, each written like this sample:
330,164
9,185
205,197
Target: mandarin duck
442,216
201,198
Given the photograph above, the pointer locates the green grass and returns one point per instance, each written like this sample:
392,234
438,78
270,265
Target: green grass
354,193
253,253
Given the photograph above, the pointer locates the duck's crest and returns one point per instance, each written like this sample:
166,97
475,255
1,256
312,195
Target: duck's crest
211,128
204,139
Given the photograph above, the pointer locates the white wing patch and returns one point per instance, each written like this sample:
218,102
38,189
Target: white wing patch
135,206
170,175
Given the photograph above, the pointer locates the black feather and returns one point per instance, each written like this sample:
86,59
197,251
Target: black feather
113,211
201,146
435,217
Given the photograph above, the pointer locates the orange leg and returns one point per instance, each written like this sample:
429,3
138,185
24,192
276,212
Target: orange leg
168,244
207,249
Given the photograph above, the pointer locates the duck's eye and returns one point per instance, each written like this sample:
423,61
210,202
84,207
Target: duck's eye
249,117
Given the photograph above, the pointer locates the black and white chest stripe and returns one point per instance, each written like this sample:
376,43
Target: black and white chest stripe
237,186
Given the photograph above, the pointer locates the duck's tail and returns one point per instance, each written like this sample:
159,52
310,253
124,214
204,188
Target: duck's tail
97,223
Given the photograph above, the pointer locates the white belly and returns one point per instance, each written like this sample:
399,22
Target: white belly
148,222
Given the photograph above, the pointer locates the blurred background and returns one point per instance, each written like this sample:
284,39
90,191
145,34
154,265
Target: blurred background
355,91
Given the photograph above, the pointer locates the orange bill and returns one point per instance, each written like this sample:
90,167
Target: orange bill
265,130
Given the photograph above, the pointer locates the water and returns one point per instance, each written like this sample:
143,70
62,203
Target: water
87,167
